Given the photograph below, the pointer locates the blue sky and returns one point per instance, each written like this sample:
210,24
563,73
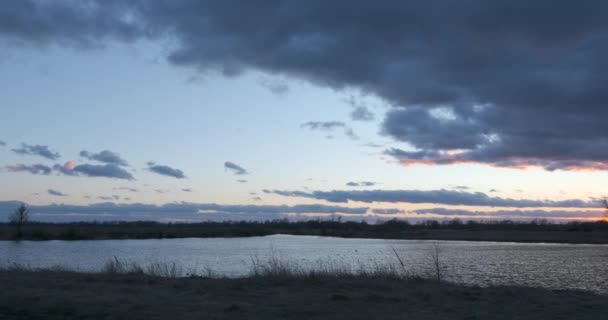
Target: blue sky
136,100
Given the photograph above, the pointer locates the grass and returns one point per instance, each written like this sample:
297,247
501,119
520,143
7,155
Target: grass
534,231
274,290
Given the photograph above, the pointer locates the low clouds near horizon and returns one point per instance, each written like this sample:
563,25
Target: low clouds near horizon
442,196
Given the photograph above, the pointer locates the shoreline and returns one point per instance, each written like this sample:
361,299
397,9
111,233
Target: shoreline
574,233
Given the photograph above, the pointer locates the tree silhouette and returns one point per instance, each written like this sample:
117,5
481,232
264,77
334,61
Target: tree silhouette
19,218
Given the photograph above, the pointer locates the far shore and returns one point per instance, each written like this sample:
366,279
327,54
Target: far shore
505,231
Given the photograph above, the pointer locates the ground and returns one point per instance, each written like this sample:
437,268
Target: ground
69,295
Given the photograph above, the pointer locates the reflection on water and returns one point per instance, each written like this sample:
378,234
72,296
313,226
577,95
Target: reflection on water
482,263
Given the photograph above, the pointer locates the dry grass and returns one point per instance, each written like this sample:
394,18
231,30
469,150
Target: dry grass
277,294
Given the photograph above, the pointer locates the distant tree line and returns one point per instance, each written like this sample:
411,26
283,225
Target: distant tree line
455,229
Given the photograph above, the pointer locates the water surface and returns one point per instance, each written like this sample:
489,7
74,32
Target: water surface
558,266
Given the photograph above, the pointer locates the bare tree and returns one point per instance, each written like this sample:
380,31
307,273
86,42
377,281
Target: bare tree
19,218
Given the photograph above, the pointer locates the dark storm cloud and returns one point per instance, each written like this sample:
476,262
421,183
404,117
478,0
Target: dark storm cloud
56,193
166,170
442,196
236,169
37,150
504,83
106,170
181,211
74,23
105,156
33,169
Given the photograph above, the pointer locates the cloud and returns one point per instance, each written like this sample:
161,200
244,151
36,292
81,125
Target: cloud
275,86
236,169
56,193
33,169
166,170
76,24
242,181
373,145
442,196
361,184
2,143
109,198
66,169
37,150
330,126
105,156
360,111
106,170
186,190
126,189
387,211
488,82
507,214
109,211
323,125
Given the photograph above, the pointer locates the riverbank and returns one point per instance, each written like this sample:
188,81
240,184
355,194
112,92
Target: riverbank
69,295
575,232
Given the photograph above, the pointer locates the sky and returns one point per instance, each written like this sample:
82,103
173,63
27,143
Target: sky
235,110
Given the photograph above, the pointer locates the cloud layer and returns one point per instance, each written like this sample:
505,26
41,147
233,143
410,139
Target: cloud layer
442,196
178,211
500,83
